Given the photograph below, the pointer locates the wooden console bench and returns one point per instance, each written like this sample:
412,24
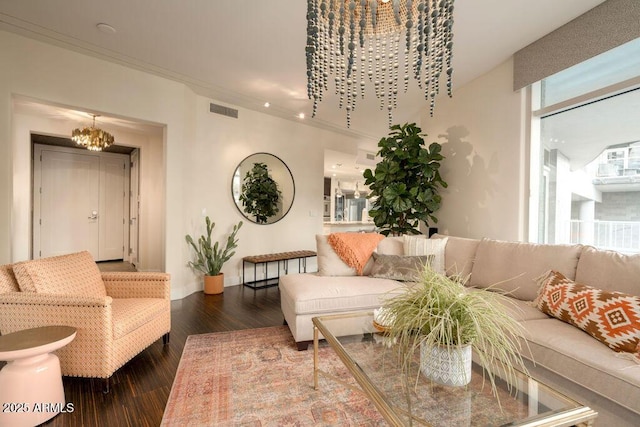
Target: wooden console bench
265,259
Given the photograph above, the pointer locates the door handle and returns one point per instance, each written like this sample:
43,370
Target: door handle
94,215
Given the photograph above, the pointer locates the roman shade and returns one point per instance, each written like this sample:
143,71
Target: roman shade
604,27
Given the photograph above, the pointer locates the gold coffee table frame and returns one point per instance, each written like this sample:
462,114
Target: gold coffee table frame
575,413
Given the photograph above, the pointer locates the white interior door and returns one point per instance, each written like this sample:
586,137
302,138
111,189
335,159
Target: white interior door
81,202
134,206
68,196
112,208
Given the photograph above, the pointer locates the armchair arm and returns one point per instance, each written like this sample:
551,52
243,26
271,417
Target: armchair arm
137,285
90,315
25,310
36,299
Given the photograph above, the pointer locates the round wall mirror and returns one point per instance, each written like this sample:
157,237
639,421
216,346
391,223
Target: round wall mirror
262,188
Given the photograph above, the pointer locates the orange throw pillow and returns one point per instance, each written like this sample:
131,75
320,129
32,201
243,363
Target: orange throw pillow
355,249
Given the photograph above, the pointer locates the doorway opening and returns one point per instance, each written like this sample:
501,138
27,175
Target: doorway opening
84,200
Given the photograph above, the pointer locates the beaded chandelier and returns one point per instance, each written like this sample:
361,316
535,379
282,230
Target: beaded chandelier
356,41
92,138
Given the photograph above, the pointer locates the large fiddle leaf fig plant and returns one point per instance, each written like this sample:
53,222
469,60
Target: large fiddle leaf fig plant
405,183
260,193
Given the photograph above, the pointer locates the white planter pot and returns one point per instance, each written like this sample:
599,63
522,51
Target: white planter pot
446,365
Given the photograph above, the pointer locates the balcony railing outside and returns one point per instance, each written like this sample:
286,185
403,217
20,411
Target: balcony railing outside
620,236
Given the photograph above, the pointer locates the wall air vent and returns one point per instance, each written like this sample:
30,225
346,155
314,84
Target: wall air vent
367,158
225,111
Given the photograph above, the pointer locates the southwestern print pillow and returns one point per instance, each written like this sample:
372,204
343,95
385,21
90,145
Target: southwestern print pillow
611,317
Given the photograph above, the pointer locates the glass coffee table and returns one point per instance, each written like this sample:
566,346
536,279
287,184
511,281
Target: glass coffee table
373,362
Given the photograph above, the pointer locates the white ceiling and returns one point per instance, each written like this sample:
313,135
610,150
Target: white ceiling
247,52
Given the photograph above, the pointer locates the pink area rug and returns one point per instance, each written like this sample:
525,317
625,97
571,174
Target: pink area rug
257,377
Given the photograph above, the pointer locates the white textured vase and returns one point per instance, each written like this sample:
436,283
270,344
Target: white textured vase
446,365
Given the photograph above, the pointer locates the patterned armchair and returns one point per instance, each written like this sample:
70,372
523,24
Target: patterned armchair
117,315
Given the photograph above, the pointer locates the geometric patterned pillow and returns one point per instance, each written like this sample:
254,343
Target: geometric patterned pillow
611,317
71,274
8,281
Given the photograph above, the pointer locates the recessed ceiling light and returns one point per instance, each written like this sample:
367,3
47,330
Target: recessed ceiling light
105,28
267,105
301,116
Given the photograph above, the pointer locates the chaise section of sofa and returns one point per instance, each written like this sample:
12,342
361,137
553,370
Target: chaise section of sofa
305,296
335,288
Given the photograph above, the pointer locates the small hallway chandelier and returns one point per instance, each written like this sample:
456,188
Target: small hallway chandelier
360,41
92,138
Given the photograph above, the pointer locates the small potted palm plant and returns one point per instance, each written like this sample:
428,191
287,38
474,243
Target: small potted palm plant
445,321
210,259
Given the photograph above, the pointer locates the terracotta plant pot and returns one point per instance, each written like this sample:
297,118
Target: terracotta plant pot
214,284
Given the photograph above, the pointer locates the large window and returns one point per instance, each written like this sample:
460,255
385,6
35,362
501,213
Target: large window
585,169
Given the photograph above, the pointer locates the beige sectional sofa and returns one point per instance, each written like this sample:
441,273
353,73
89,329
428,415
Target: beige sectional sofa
565,356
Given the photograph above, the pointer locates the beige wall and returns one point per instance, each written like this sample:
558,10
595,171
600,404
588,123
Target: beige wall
481,130
220,144
199,152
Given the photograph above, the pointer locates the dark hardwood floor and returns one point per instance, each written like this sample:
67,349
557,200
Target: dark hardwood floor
140,389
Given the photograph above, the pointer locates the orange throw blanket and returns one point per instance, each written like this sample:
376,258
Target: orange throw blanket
354,249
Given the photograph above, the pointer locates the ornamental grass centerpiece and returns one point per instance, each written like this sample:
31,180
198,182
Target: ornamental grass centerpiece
446,321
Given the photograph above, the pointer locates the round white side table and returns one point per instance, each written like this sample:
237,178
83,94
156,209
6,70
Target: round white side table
31,389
